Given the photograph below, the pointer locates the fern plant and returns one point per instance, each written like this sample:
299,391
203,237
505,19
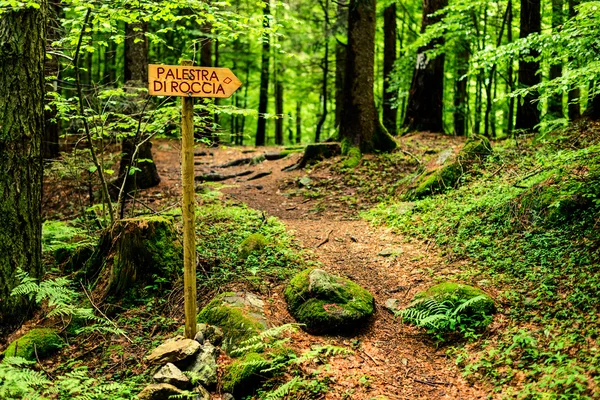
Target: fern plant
449,315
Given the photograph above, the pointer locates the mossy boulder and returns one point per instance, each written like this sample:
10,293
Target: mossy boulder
438,180
255,243
240,316
327,303
459,293
244,375
475,149
134,253
42,341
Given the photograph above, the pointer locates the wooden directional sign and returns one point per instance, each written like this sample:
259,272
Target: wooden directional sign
188,81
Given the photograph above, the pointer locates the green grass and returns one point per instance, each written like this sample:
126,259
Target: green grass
527,222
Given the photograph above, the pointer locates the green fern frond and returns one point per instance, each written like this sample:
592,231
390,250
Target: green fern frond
287,388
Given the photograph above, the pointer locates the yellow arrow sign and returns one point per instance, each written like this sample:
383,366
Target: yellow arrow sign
177,80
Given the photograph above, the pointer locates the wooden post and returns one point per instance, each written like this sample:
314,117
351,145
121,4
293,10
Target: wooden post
189,214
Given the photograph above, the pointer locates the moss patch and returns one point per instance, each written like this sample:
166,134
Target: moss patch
43,341
243,376
327,303
255,243
239,322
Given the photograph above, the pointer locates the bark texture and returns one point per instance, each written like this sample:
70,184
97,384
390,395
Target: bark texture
22,54
263,100
390,33
461,99
574,95
425,98
340,59
528,114
360,125
50,146
555,102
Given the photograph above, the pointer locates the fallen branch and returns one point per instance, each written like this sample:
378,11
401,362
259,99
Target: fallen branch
213,177
243,161
324,241
104,315
259,175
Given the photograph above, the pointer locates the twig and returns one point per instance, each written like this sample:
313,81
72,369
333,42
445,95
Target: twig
101,313
431,383
371,357
324,241
408,153
40,363
534,173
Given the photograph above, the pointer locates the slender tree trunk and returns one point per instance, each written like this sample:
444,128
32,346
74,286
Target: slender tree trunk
425,98
22,54
279,109
574,95
324,90
555,106
461,96
360,125
206,60
263,100
340,60
510,74
50,145
136,75
528,114
390,33
298,122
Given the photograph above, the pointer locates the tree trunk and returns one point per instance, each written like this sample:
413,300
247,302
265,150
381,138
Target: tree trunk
574,95
461,96
510,82
360,125
528,114
325,67
22,83
298,122
340,61
390,33
425,98
136,74
555,107
263,100
50,145
279,110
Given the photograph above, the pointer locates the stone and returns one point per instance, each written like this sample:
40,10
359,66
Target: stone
37,343
212,333
326,303
239,315
227,396
204,367
158,391
390,252
199,336
173,351
172,375
392,305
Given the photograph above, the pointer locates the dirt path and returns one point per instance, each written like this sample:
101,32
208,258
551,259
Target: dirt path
390,359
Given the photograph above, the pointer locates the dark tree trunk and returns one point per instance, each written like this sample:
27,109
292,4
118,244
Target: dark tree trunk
574,96
360,125
206,130
390,33
555,107
425,98
136,74
461,96
528,114
279,109
510,73
263,100
325,67
50,146
22,54
298,122
340,61
593,108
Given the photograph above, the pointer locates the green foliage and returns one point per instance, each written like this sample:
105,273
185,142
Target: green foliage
254,243
37,343
19,381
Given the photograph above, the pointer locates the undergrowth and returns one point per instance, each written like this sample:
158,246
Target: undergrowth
527,222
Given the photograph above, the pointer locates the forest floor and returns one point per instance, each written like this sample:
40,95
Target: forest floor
391,359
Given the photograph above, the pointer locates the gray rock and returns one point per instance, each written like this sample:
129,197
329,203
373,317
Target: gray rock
199,337
201,393
212,333
228,396
172,375
173,351
158,391
392,305
204,367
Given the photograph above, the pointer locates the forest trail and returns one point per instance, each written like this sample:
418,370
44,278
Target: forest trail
390,359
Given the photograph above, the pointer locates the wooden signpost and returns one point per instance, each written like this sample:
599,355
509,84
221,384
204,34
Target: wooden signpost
188,82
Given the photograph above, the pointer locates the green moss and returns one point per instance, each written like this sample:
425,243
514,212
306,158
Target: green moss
43,342
244,375
353,157
475,149
332,305
437,181
255,243
459,292
236,322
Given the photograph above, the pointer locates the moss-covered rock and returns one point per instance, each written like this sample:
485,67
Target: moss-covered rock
459,293
475,149
244,375
438,180
42,341
255,243
136,252
239,315
326,303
